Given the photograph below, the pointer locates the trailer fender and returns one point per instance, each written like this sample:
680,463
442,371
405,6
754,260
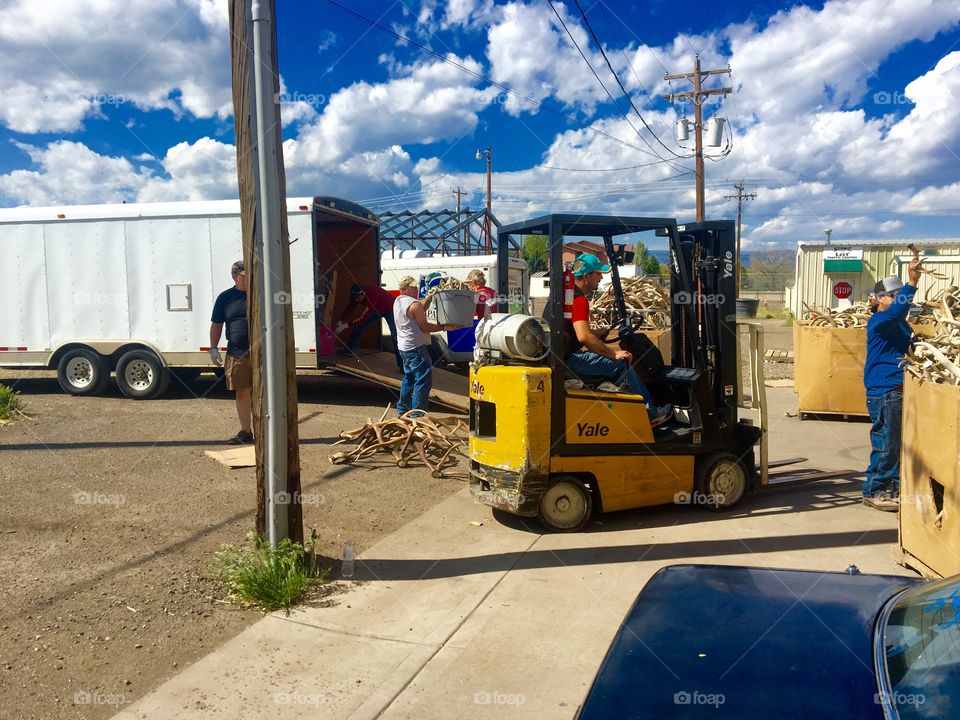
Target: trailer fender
111,350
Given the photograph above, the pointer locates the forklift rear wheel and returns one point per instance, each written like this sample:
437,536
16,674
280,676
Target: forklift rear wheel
566,505
721,481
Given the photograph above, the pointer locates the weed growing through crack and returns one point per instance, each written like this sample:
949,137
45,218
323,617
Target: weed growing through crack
265,577
10,404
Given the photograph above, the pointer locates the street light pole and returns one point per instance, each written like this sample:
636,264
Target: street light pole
486,220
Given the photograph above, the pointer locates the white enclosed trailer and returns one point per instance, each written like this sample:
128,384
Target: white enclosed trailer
130,288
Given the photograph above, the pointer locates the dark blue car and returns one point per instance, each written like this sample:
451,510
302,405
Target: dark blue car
708,641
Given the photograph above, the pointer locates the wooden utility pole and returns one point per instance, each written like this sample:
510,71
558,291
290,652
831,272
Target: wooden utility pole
248,137
697,96
461,242
740,197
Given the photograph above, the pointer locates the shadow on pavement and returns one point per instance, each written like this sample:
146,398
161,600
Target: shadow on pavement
428,569
90,445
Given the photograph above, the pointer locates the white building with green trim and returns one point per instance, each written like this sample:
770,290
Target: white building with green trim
836,275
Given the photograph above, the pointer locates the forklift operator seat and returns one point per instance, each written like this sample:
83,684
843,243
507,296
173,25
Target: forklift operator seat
647,358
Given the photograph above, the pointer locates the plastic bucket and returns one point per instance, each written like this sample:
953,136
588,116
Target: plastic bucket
747,307
454,307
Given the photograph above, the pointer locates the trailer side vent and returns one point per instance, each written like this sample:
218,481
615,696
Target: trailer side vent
179,297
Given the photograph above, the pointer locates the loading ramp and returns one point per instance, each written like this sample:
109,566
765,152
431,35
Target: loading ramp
449,389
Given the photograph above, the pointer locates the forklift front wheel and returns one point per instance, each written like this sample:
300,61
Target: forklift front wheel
721,481
566,505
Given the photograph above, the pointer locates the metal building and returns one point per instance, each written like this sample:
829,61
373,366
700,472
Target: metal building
835,276
439,232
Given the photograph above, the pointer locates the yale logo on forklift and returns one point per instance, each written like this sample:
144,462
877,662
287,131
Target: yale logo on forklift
476,388
592,429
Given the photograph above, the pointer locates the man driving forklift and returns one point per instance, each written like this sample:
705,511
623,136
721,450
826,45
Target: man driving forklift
587,354
542,448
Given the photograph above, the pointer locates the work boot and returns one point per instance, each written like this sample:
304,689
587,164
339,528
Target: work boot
883,501
241,438
659,415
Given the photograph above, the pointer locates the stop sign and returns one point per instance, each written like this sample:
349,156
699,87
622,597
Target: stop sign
843,290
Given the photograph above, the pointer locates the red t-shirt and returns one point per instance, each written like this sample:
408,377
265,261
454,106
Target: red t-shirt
580,311
483,295
581,307
375,299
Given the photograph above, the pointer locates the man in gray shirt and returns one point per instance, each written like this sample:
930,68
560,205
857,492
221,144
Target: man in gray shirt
413,341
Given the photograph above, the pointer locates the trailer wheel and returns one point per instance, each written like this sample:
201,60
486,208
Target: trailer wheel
141,375
566,505
82,372
720,482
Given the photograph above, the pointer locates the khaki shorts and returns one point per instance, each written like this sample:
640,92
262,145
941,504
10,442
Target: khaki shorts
239,372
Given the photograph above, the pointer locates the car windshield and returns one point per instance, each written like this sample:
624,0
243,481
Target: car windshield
921,651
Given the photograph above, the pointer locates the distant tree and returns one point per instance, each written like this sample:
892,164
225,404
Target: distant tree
646,262
534,251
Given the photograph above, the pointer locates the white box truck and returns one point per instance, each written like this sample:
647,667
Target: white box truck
456,346
129,288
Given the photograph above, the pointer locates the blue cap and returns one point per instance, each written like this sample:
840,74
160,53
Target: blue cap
587,263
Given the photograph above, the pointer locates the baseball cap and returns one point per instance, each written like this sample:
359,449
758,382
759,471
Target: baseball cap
406,281
888,286
356,289
587,263
237,268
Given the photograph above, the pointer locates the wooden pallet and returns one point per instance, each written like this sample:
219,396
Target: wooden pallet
784,356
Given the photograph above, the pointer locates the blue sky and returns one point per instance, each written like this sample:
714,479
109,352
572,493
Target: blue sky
843,115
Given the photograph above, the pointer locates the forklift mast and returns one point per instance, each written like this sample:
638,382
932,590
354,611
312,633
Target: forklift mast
703,297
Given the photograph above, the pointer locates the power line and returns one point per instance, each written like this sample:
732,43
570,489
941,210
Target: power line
616,77
606,17
609,95
484,78
628,167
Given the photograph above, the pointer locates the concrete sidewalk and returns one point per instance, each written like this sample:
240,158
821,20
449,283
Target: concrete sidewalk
448,619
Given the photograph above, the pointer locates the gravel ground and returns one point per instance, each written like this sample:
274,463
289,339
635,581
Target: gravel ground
112,512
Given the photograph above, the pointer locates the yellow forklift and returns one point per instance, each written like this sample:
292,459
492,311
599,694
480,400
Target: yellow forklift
545,443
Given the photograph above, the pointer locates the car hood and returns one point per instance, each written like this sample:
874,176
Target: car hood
735,642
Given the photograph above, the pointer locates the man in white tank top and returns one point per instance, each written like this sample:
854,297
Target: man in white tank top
413,341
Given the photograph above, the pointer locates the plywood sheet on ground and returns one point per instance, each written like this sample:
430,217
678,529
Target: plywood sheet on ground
449,389
239,457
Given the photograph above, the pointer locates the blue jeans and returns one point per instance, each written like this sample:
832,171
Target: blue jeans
364,324
417,379
584,362
883,473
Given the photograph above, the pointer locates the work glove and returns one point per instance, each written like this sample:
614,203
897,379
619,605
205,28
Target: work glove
215,356
340,327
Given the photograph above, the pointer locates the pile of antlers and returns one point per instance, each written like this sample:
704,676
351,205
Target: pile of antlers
648,304
852,317
434,441
937,359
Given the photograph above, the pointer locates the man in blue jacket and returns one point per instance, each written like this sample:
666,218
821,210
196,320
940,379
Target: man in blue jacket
888,339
